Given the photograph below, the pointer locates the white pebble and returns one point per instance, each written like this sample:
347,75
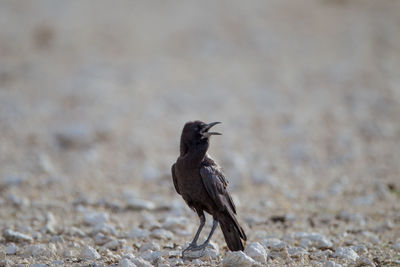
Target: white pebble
237,259
162,234
140,204
314,239
396,246
256,251
95,218
139,262
273,244
113,244
138,233
345,253
175,222
101,239
126,263
331,264
89,253
11,249
10,235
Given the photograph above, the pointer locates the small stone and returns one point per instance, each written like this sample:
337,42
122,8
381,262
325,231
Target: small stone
345,253
100,239
331,264
256,251
364,200
57,239
57,262
11,249
210,252
139,262
10,235
140,204
126,263
38,265
150,256
73,231
172,223
150,246
113,245
238,259
89,253
314,239
396,246
96,218
360,249
104,229
38,250
362,261
273,243
297,252
161,234
11,180
138,233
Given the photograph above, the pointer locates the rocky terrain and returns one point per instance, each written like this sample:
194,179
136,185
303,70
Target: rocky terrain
93,97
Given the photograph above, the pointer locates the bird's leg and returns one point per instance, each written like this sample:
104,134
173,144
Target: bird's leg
193,244
204,245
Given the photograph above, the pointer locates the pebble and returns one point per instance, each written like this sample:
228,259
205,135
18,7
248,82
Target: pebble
73,231
38,265
313,239
345,253
10,235
100,239
256,251
38,250
362,261
11,249
104,229
150,246
11,180
140,204
113,244
126,263
139,262
138,233
331,264
273,243
96,218
75,136
297,252
238,259
162,234
396,246
150,256
172,223
57,262
89,253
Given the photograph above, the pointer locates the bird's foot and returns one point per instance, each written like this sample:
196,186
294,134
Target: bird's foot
194,250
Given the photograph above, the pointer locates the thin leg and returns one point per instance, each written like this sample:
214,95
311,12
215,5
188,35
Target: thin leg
196,237
204,245
215,224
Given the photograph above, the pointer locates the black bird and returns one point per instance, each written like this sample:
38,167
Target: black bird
202,184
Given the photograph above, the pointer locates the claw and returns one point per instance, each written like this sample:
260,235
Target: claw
194,247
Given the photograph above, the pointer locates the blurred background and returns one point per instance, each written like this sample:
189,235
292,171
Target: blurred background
94,95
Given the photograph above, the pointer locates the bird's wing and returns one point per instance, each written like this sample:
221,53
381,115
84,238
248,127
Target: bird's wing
215,183
175,179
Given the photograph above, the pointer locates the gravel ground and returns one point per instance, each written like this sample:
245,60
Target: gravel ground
93,97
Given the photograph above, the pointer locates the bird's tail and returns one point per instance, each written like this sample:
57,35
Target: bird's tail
233,232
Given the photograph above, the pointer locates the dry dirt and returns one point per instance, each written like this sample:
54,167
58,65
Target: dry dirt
94,94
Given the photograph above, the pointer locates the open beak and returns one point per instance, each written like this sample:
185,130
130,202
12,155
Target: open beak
204,131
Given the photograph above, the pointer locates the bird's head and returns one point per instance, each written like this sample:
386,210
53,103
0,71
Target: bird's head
195,133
